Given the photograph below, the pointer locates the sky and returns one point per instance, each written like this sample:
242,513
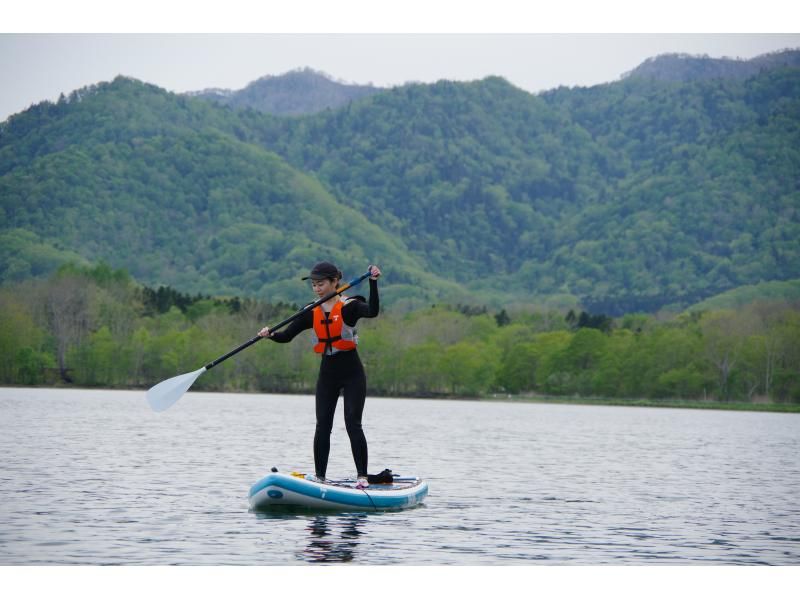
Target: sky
36,66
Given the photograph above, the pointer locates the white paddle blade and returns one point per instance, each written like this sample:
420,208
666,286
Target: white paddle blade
165,394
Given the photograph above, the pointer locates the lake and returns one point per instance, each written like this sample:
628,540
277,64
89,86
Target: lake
94,477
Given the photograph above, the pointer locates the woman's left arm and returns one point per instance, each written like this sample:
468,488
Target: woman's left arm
355,310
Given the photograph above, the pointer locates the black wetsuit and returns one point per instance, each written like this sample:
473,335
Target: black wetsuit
341,372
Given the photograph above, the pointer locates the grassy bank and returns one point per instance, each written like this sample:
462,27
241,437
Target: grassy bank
671,403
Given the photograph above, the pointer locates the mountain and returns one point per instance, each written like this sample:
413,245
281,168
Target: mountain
302,91
686,67
160,185
629,196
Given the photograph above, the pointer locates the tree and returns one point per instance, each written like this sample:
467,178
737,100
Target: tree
420,368
468,367
66,304
549,372
786,380
101,360
21,343
723,343
517,370
502,318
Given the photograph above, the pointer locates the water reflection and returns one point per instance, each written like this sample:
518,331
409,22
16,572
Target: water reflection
333,539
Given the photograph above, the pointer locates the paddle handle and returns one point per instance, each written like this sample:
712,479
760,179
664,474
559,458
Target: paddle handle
291,318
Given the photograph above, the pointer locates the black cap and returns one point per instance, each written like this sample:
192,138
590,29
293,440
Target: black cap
323,271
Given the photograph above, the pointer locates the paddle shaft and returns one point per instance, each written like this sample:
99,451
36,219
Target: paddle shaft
291,318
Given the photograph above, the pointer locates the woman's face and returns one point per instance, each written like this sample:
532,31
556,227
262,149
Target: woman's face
323,287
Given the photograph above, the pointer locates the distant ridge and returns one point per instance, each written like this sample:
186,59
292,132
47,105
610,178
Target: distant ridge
687,67
302,91
776,290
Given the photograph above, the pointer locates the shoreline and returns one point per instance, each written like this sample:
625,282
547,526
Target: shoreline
660,403
672,403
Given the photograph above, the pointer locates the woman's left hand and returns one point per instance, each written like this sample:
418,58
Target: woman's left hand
375,272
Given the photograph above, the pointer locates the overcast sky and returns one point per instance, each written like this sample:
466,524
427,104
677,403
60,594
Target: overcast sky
36,67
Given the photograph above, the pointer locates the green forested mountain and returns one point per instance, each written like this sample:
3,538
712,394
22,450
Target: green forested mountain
162,186
626,196
631,195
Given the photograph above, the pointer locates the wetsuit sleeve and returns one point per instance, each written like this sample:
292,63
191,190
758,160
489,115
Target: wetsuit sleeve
355,310
304,322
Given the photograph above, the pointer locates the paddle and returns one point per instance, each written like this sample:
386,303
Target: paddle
165,394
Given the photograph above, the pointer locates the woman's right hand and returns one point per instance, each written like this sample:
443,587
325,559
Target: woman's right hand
265,331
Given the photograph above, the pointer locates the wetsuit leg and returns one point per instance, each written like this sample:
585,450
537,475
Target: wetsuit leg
327,396
355,394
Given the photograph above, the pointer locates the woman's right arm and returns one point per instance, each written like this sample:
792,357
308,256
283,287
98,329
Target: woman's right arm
294,328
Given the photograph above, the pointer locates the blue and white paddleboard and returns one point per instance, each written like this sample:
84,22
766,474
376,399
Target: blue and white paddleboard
302,490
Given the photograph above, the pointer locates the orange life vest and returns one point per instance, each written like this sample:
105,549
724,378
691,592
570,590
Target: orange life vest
331,334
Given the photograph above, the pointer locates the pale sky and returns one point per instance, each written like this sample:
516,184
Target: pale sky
39,66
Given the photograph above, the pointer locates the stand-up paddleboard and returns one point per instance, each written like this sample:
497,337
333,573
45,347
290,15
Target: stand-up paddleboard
304,491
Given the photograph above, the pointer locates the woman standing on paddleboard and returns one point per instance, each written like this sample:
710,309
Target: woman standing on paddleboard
335,339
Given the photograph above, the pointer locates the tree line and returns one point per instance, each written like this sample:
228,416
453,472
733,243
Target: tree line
95,326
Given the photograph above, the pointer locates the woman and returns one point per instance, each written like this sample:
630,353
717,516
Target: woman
335,339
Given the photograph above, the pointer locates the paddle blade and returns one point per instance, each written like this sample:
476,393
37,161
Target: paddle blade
165,394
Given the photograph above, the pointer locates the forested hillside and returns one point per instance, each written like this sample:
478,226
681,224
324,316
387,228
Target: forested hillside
631,196
162,186
625,197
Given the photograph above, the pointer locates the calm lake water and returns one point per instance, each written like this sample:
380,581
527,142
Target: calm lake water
95,477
